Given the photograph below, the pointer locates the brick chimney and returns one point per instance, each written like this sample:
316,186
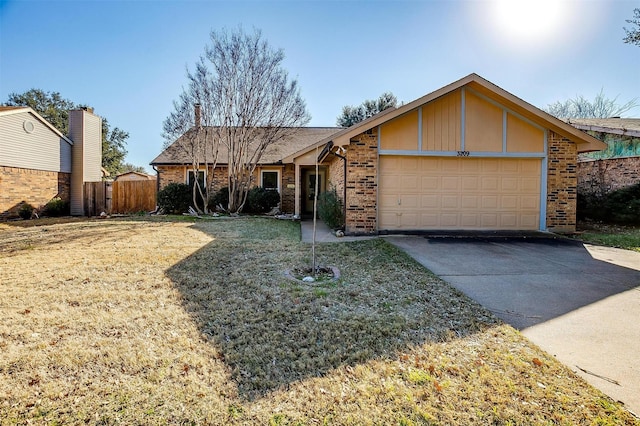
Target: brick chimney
196,110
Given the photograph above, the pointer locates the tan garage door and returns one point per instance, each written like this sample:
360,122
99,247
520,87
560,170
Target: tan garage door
419,193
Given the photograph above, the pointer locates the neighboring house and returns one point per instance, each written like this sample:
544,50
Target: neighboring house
469,156
133,176
615,167
38,163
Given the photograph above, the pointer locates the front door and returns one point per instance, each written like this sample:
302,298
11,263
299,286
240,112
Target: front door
310,187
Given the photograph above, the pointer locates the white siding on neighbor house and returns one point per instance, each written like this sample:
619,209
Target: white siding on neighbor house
42,149
85,130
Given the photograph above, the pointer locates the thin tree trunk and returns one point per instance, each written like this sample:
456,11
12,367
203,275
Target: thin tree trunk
315,209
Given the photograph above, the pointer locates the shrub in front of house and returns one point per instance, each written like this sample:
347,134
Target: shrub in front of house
25,211
621,206
175,198
56,207
261,200
220,198
330,209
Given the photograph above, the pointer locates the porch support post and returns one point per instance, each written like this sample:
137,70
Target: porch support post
297,191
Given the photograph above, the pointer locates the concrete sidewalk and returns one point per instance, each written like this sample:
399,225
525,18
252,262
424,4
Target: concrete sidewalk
323,233
578,302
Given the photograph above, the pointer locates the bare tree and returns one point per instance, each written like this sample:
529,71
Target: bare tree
254,104
247,103
633,34
600,107
189,125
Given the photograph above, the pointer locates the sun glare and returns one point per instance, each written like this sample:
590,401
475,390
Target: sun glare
528,21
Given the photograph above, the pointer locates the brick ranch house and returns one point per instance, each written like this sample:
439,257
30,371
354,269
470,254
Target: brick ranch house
38,163
468,156
617,166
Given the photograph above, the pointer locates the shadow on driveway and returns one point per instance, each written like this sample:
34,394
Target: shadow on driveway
524,281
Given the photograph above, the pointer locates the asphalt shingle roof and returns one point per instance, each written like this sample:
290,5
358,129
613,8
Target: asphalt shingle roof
618,126
304,137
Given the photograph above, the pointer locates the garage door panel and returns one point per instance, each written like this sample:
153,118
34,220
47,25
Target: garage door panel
388,201
508,220
390,218
489,220
470,201
430,183
450,183
409,201
409,220
510,184
529,184
450,202
490,166
409,163
391,183
409,182
449,220
459,193
489,202
489,183
509,202
529,202
429,221
469,183
430,201
529,221
470,220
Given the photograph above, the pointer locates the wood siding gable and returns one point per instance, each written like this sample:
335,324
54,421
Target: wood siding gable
462,123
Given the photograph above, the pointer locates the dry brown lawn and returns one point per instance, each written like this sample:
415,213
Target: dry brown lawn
144,321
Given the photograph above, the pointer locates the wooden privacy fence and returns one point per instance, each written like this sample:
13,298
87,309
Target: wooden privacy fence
133,196
119,197
97,198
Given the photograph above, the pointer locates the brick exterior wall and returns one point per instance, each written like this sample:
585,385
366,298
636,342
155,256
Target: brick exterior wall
562,182
288,195
336,175
170,174
177,174
362,184
599,177
36,187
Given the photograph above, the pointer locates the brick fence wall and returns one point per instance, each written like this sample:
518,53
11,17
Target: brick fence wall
599,177
561,184
362,184
36,187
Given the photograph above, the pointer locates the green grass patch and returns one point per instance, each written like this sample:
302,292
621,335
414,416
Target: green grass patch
625,237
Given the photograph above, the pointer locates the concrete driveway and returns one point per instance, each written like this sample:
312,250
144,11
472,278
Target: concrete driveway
576,301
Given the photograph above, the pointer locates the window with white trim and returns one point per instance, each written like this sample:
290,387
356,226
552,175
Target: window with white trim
270,179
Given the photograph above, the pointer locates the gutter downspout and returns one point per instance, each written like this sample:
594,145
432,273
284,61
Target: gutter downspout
157,183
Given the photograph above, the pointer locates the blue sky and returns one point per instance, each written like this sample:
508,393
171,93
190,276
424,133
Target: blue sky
127,59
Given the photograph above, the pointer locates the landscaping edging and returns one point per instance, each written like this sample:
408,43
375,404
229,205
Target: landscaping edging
336,276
